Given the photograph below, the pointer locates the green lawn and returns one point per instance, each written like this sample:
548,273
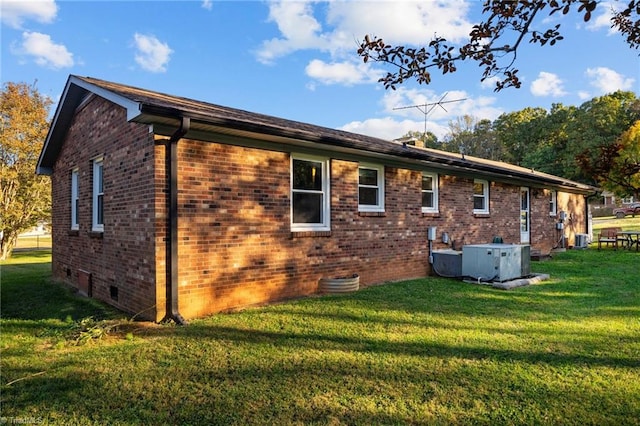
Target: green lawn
429,351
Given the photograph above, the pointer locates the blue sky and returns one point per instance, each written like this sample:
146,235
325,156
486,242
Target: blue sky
297,59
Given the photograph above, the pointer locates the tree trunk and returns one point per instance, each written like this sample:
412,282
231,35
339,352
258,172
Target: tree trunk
7,243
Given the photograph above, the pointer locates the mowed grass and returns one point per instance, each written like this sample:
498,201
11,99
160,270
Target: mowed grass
429,351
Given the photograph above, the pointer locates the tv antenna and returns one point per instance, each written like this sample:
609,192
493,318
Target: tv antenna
428,107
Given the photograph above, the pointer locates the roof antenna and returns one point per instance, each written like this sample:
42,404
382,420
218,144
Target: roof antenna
423,108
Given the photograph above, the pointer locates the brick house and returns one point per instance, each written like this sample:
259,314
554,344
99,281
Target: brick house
176,208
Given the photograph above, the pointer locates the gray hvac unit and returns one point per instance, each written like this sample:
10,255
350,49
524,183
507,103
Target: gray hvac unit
447,263
495,262
581,241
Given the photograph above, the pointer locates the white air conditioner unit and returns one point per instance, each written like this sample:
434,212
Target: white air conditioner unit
496,262
582,241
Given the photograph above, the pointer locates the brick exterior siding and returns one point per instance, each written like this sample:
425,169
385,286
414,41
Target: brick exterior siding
236,247
123,256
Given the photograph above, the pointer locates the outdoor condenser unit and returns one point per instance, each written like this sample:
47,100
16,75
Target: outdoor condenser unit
581,241
496,262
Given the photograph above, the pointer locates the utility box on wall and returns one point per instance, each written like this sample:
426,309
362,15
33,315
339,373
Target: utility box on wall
495,262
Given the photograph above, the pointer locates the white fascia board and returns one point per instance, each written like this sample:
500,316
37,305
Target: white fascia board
133,108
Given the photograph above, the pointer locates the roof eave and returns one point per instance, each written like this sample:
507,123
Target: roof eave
74,92
165,121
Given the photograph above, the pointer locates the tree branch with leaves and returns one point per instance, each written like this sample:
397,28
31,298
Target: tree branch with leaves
493,44
617,166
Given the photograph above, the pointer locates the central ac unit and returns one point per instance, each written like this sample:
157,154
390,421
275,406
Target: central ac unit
582,241
496,262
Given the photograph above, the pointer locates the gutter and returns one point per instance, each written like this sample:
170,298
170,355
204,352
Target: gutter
172,312
305,135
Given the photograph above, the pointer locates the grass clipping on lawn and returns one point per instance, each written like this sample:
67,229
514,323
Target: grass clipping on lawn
430,351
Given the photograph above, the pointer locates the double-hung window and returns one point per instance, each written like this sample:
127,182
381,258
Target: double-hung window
553,203
74,199
309,193
480,196
370,188
429,193
97,222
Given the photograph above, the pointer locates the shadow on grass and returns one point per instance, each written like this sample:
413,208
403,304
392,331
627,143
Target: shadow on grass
246,368
311,379
424,348
29,294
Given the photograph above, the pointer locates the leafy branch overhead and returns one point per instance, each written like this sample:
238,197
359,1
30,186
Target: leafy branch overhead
493,44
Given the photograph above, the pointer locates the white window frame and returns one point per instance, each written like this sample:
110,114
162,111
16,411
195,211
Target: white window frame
434,190
325,223
379,206
485,196
553,202
75,186
97,194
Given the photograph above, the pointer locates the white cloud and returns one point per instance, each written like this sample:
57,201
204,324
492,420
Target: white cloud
409,22
606,80
389,128
348,73
405,111
151,54
489,83
14,12
207,4
406,22
584,95
298,27
547,84
414,103
602,18
45,52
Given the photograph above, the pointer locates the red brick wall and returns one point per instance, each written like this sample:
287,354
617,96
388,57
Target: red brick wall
576,222
235,244
123,256
236,248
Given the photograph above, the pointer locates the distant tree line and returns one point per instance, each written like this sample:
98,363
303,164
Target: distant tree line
597,143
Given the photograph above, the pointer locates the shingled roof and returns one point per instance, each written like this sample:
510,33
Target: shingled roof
209,121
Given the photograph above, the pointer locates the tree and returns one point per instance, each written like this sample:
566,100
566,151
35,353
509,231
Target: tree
493,43
617,165
520,132
599,123
550,152
25,198
475,137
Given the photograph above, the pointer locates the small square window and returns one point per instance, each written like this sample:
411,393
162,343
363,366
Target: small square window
370,188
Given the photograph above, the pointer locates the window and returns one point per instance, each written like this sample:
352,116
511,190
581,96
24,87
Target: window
429,193
370,188
97,223
74,199
480,196
309,194
553,203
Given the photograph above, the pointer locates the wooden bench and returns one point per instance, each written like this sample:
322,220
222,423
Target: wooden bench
610,236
